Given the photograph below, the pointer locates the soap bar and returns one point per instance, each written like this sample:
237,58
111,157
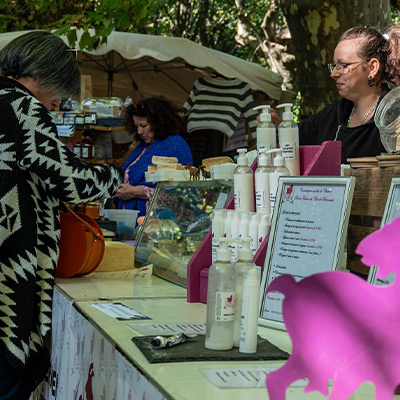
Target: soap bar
118,256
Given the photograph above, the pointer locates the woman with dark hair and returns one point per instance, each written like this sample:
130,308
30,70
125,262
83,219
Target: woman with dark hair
156,125
36,172
365,62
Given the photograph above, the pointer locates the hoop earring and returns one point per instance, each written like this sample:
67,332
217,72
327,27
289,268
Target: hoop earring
371,81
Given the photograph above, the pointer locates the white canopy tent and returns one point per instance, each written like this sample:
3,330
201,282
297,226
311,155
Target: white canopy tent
139,66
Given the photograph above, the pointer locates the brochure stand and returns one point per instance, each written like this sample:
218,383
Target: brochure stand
323,160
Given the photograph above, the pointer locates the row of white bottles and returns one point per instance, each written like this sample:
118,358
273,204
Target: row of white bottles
267,178
232,300
288,136
233,224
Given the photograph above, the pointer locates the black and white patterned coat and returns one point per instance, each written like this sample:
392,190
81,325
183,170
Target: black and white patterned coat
36,172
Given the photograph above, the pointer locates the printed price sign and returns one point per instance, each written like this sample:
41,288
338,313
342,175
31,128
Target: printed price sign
307,234
392,210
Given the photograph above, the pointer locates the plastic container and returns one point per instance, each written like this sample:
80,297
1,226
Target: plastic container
288,133
266,131
220,301
278,171
222,171
261,181
253,232
126,221
250,310
243,184
264,226
387,119
243,263
217,230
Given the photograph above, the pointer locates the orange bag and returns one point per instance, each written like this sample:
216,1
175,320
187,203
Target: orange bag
81,244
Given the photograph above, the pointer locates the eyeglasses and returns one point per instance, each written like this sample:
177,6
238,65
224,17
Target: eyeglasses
343,68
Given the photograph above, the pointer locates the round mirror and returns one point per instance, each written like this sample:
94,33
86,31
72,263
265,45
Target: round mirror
387,119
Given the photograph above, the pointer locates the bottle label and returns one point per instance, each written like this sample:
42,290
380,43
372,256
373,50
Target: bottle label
244,318
224,306
289,151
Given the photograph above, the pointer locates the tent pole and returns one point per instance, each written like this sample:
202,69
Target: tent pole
110,73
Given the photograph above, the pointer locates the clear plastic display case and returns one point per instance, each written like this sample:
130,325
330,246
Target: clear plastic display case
178,219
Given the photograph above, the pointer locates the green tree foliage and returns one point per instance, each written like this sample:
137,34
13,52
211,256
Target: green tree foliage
255,30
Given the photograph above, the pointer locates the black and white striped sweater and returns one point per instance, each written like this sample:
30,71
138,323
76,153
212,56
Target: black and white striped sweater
36,172
218,104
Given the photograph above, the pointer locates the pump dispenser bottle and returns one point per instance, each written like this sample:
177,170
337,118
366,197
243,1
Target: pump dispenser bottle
243,184
288,134
244,262
266,131
250,308
278,171
261,180
220,301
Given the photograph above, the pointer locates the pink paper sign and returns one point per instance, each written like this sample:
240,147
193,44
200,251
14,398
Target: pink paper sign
343,329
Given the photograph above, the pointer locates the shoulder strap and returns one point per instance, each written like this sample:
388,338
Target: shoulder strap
89,227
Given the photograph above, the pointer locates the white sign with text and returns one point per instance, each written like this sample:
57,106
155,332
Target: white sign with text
307,234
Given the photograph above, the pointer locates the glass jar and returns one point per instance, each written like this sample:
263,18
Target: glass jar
387,119
86,150
78,149
93,209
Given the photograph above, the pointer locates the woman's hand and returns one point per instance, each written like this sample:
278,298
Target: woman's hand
129,192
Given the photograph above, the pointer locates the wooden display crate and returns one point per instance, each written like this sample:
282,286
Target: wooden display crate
369,200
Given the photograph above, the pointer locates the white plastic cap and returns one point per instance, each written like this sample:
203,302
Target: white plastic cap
218,213
223,253
245,253
265,114
252,276
244,215
263,160
254,218
242,159
287,114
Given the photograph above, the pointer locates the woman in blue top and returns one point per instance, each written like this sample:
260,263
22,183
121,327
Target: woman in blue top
156,125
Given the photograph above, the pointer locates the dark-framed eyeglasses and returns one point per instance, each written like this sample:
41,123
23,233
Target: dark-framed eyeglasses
343,68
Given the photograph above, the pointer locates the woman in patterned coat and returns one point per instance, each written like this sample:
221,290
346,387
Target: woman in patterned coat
36,172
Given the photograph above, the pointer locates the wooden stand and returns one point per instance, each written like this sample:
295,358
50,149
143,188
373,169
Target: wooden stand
369,200
314,160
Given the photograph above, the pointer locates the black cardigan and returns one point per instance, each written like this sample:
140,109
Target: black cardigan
330,124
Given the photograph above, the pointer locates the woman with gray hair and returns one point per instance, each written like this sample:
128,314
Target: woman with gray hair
36,172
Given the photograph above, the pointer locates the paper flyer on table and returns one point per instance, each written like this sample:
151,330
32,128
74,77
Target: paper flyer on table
119,311
168,329
242,377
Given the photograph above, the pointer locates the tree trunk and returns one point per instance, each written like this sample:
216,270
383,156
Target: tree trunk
315,29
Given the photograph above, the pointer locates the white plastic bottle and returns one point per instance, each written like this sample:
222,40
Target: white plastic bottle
233,246
288,136
217,230
244,262
220,301
244,225
228,223
278,171
253,232
261,181
243,184
264,226
250,310
266,131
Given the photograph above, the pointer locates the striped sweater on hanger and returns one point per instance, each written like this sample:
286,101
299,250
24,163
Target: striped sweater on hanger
218,104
